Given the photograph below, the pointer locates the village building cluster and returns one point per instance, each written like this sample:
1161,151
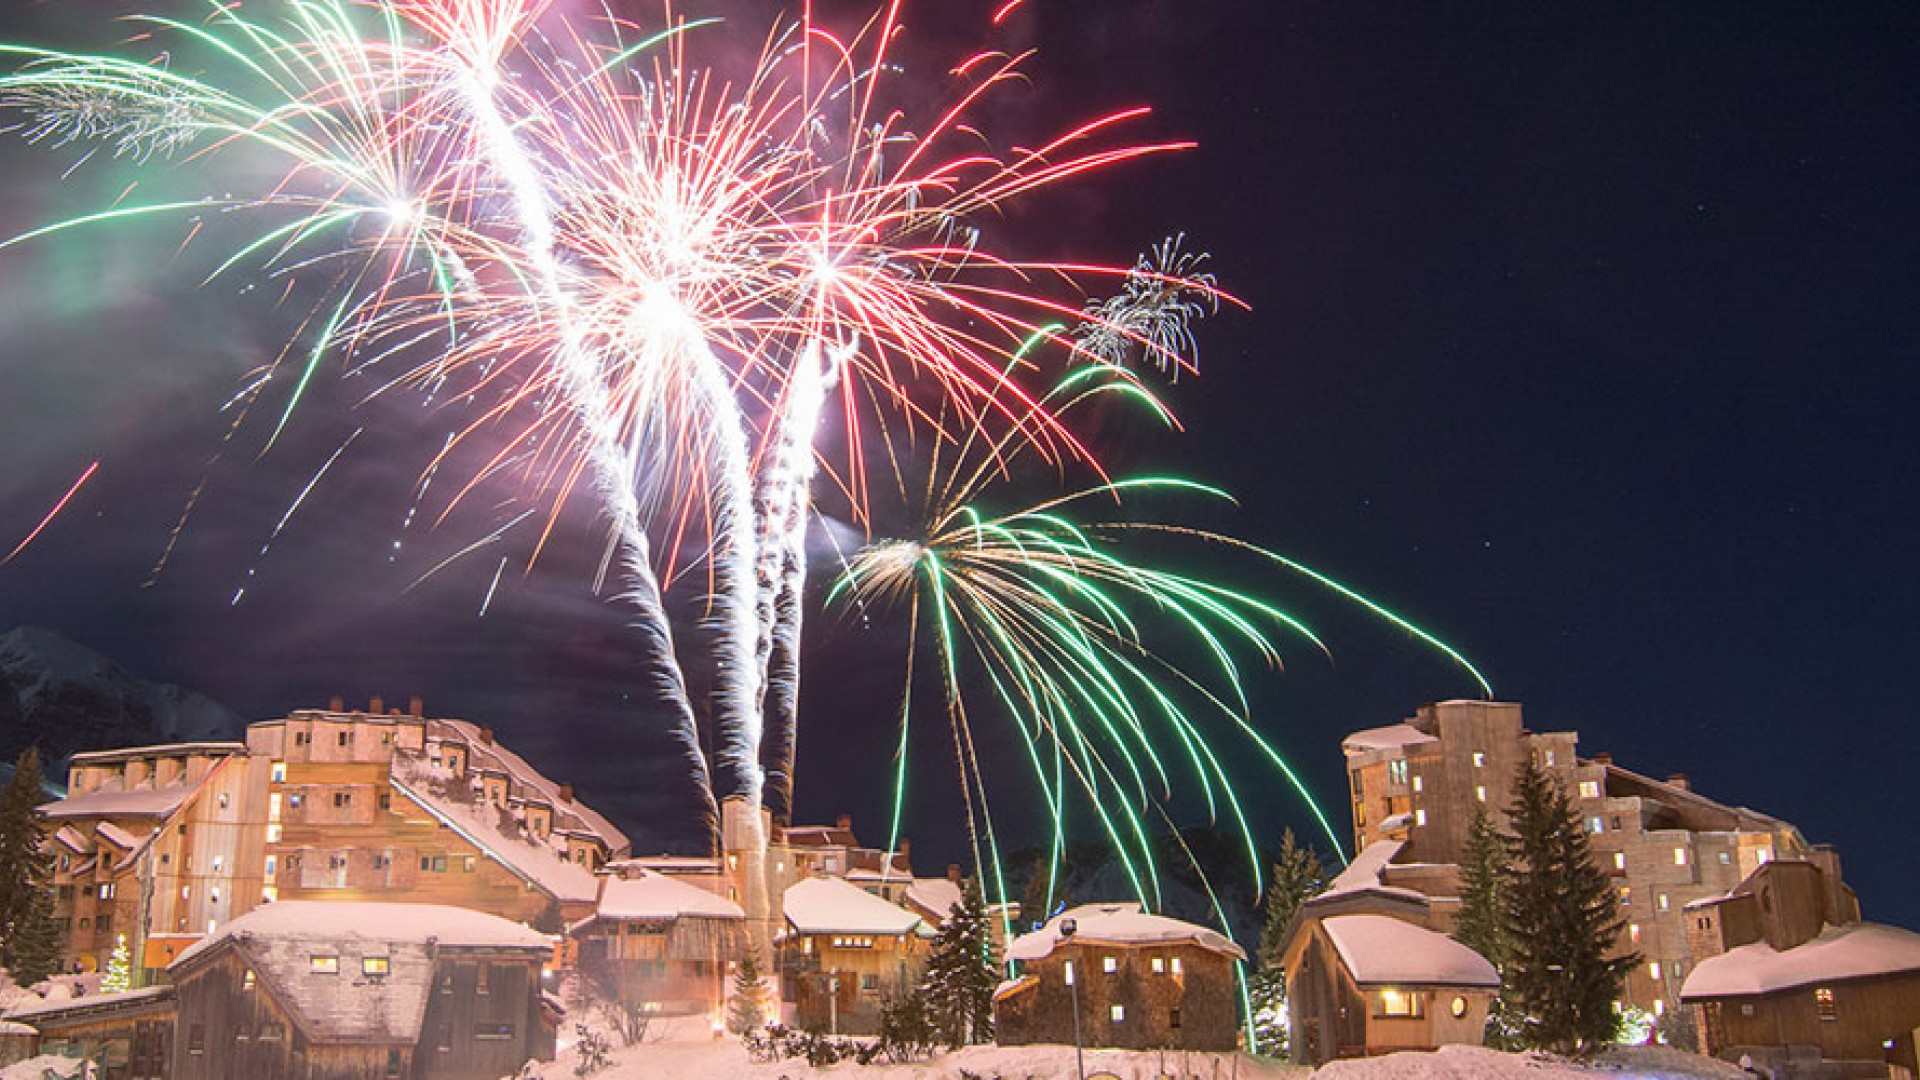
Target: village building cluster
378,893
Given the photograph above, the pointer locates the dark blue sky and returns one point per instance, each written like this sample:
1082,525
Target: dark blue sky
1585,335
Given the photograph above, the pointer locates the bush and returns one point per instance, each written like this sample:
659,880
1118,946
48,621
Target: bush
593,1049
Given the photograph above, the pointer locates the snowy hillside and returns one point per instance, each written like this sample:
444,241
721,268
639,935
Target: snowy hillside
65,697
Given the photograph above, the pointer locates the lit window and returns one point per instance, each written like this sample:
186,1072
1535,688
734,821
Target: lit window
1547,759
1653,970
1176,965
1596,825
1633,932
1619,860
1479,760
1589,789
325,965
226,799
1824,1004
1116,1014
1726,858
246,979
1659,1007
1480,792
1405,1004
1761,855
375,965
293,801
1159,965
1420,817
1068,972
1626,895
279,772
1679,856
1419,784
1663,901
1397,771
1109,964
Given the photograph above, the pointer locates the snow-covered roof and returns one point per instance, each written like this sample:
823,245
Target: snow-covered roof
1385,738
30,1007
818,836
532,858
142,801
117,836
280,940
71,838
658,896
569,814
166,750
1119,924
1857,951
935,895
1364,873
1381,950
1395,822
827,905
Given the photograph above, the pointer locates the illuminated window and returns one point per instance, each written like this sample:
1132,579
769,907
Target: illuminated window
294,800
279,772
1547,759
246,979
1589,789
1663,902
1458,1007
1403,1004
375,965
1633,932
1116,1014
1419,784
1159,965
1761,855
1067,970
1679,856
1726,858
1480,792
1176,965
1659,1007
1626,895
324,965
1397,771
226,799
1824,1004
1479,760
1619,860
1109,964
1420,817
1653,969
1596,825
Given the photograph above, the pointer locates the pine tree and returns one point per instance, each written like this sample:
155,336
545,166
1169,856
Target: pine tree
960,979
1478,926
26,870
1297,877
119,975
36,942
747,1009
1560,919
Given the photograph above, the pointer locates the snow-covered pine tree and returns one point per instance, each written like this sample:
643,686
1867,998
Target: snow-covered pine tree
1298,875
26,871
747,1008
36,942
119,975
958,987
1560,919
1478,925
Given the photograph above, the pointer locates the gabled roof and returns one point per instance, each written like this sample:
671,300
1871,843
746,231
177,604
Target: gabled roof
1119,924
568,813
1364,875
658,896
144,800
934,895
1390,737
529,857
1856,951
827,905
1380,950
279,941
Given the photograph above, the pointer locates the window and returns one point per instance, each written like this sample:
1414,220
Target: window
302,738
86,923
1419,785
1726,858
1397,771
246,979
443,982
1679,856
324,964
226,799
1663,902
1659,1007
342,798
294,800
443,1036
434,863
1400,1004
103,923
278,773
1066,971
1546,759
1420,817
1117,1014
1173,1019
273,866
1626,895
1480,792
1633,932
1176,965
386,800
482,978
467,864
1653,970
1619,860
869,982
106,889
1159,965
382,861
493,1029
375,966
1479,760
393,1064
1458,1007
1596,825
343,738
1109,964
196,1038
1761,855
1589,789
1824,1005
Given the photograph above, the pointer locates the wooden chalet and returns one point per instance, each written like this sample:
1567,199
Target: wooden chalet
843,950
657,939
1142,982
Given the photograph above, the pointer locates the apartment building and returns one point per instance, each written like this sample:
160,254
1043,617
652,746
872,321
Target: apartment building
1418,783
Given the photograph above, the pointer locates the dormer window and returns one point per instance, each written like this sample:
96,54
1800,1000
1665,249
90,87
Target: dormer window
324,964
375,967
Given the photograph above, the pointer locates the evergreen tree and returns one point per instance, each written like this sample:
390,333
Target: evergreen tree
747,1009
1479,927
958,988
1559,918
36,942
26,870
1297,877
119,974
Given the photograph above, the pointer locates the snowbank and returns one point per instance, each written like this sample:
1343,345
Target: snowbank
1479,1063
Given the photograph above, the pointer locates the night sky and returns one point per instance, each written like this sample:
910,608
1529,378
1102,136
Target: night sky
1583,335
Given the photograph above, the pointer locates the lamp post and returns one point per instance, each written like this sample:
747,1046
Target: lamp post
1067,929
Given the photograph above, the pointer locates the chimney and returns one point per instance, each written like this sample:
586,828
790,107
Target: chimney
486,736
566,793
905,849
953,872
336,703
415,707
845,822
1679,780
378,707
1601,757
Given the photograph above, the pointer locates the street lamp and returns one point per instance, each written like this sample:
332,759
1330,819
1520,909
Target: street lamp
1067,930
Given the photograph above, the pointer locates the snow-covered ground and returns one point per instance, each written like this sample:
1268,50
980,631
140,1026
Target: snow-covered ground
685,1051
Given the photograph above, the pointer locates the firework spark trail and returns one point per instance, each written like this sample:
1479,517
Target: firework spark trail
58,506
